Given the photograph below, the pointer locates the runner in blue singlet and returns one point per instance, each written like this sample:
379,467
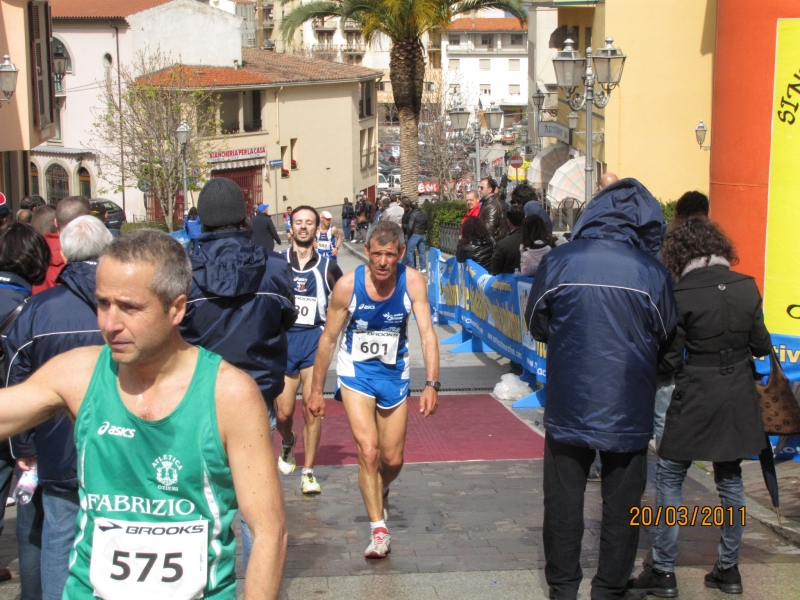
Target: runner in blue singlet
314,277
329,239
372,305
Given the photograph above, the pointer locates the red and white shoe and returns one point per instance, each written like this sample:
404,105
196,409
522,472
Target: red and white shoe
379,546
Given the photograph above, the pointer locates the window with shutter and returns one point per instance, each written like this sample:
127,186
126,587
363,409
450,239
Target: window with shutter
41,63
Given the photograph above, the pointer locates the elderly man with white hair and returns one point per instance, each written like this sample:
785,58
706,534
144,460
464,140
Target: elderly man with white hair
55,321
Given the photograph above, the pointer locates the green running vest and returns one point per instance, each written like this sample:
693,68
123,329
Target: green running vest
156,497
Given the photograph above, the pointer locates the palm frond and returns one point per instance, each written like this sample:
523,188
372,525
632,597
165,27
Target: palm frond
514,7
306,12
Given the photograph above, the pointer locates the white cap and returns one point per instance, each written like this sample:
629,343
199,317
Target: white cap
326,214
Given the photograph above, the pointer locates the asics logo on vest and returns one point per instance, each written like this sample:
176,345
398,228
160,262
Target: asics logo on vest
366,307
106,427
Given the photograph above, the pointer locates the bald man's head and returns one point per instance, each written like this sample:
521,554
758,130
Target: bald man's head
607,179
71,208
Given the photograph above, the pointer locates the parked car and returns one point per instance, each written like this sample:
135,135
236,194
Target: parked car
108,212
509,137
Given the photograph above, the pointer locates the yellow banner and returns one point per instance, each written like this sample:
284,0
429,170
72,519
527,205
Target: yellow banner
782,277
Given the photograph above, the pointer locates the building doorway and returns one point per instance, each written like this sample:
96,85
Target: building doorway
57,183
250,179
85,181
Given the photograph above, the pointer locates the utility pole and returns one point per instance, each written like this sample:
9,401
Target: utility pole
259,23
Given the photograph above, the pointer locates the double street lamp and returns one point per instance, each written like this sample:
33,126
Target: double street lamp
459,121
8,78
182,133
570,68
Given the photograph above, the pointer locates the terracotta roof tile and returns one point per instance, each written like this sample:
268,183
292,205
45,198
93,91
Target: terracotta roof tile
487,24
264,67
99,9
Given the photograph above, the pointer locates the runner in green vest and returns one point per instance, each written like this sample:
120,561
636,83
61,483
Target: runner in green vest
171,441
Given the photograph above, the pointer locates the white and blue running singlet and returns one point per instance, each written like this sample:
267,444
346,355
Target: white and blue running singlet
311,293
375,341
326,242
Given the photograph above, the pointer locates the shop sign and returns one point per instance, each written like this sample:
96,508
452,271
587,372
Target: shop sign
238,154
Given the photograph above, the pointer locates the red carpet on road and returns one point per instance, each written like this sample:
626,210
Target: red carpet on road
468,427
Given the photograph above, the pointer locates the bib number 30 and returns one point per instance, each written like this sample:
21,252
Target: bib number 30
306,309
136,560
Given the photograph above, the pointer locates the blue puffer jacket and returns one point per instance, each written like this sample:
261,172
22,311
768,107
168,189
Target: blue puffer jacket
241,305
53,322
604,305
193,227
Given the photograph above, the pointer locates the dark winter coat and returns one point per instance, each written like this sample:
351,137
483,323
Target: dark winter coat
264,232
604,305
493,217
506,254
241,305
53,322
481,252
714,414
417,222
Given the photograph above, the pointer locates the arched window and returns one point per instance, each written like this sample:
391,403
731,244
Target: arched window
107,64
34,180
85,181
57,183
58,46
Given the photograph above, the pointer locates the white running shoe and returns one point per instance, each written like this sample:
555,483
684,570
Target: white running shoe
379,546
309,484
286,462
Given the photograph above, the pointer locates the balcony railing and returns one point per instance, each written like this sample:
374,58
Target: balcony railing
353,49
434,44
325,48
269,23
470,49
324,24
352,25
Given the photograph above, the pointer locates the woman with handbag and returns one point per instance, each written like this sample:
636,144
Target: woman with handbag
714,414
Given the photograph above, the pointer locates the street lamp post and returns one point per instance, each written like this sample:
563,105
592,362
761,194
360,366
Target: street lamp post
538,103
459,120
182,133
570,68
8,78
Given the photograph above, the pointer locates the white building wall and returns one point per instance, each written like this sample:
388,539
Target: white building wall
542,21
470,74
189,32
88,44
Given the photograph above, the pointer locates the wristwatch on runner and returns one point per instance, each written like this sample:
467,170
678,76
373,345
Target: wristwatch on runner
434,384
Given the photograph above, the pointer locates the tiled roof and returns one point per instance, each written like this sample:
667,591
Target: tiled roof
487,24
264,67
99,9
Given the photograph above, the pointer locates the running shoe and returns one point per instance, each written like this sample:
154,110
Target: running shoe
286,462
386,504
379,545
309,484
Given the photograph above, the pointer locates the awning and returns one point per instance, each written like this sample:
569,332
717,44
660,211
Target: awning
545,164
238,164
569,181
61,151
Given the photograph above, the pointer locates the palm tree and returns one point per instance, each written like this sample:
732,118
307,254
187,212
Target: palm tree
404,22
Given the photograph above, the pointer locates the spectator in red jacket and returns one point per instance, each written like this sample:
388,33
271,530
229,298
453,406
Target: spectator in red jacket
50,224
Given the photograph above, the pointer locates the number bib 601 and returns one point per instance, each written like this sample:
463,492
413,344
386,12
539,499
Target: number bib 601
140,560
368,345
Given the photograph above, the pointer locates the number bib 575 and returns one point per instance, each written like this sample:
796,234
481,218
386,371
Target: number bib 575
141,560
306,308
382,345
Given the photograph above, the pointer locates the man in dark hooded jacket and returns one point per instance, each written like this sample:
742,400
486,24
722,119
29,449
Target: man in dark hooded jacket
604,306
55,321
242,298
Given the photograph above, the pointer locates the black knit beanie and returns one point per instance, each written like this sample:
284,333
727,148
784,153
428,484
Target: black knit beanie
221,202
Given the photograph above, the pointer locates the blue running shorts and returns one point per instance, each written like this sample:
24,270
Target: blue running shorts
387,392
302,349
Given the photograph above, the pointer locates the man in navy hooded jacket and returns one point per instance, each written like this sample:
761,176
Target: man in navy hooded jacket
53,322
242,298
604,306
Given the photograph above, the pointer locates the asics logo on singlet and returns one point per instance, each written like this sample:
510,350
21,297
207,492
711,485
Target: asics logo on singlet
366,307
106,427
